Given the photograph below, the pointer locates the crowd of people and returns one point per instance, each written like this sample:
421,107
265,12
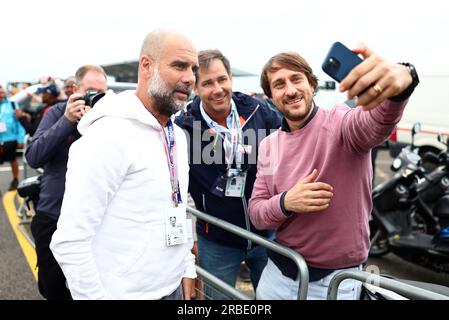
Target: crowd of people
111,220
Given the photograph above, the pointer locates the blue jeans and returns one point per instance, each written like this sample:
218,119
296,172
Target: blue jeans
224,262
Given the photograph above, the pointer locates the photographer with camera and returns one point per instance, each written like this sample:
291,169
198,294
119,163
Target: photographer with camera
49,150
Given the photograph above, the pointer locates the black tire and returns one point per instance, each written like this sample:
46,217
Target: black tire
379,240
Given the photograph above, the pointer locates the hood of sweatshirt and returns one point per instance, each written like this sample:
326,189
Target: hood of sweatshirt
125,105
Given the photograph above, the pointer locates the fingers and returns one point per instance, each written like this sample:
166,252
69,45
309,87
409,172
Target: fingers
361,77
313,208
393,80
362,49
317,202
373,97
311,177
320,194
308,195
374,80
75,108
74,97
319,186
85,110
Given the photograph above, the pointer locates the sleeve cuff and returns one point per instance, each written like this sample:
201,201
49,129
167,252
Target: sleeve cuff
282,202
190,270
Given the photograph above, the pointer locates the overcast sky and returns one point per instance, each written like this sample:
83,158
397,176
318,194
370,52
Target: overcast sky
56,37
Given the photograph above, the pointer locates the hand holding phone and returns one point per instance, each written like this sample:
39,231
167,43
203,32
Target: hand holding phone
340,61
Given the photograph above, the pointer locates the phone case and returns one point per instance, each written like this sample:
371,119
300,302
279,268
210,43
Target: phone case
340,61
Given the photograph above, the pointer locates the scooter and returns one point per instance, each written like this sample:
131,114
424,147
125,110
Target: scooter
397,203
412,154
433,185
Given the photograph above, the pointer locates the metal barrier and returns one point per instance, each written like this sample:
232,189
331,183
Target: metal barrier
303,271
403,289
221,285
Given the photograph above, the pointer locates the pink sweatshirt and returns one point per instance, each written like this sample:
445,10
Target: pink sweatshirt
337,143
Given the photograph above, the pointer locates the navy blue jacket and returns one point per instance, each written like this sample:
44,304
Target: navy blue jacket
202,176
49,149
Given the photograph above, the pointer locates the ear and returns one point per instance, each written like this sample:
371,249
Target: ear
195,89
146,66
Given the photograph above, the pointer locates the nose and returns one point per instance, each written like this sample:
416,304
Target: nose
290,89
188,78
217,88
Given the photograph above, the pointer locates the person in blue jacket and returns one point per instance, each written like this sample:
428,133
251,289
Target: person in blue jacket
224,129
49,149
12,137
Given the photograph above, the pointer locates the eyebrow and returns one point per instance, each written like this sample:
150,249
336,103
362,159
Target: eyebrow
207,81
183,65
299,75
278,81
179,63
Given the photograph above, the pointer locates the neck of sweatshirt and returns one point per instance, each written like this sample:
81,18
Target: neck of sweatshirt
285,127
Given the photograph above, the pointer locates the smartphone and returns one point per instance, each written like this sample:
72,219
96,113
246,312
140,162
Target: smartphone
340,61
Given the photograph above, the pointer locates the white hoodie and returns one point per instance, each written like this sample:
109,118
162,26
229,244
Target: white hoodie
110,239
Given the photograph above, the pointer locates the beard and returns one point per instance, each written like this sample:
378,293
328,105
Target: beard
302,114
162,95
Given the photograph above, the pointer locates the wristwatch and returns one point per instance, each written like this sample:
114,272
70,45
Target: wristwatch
412,70
415,80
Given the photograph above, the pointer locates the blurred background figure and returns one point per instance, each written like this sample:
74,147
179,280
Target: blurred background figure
60,85
12,136
70,86
48,95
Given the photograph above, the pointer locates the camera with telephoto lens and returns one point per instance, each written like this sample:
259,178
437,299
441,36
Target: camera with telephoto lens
91,97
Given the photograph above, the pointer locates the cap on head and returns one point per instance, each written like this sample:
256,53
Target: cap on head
51,89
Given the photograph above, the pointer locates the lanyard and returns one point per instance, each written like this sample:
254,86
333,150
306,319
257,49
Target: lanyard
170,152
232,136
236,140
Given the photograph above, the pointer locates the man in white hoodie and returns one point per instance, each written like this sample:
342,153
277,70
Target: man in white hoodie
126,176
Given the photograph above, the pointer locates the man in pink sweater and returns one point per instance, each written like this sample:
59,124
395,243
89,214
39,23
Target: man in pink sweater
314,174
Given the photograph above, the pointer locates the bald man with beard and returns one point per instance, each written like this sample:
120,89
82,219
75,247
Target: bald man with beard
126,176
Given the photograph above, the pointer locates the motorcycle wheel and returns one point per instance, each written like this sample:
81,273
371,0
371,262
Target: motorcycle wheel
379,241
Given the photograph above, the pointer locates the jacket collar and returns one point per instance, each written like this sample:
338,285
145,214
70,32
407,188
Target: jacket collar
245,107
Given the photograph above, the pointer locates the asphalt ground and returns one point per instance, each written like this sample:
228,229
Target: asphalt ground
17,272
17,281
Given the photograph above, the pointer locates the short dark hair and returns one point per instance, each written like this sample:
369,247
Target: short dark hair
288,60
205,57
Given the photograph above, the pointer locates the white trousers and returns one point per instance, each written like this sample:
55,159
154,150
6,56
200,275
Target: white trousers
273,285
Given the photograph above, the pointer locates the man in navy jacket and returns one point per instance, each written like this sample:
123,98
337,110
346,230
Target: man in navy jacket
49,149
224,129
